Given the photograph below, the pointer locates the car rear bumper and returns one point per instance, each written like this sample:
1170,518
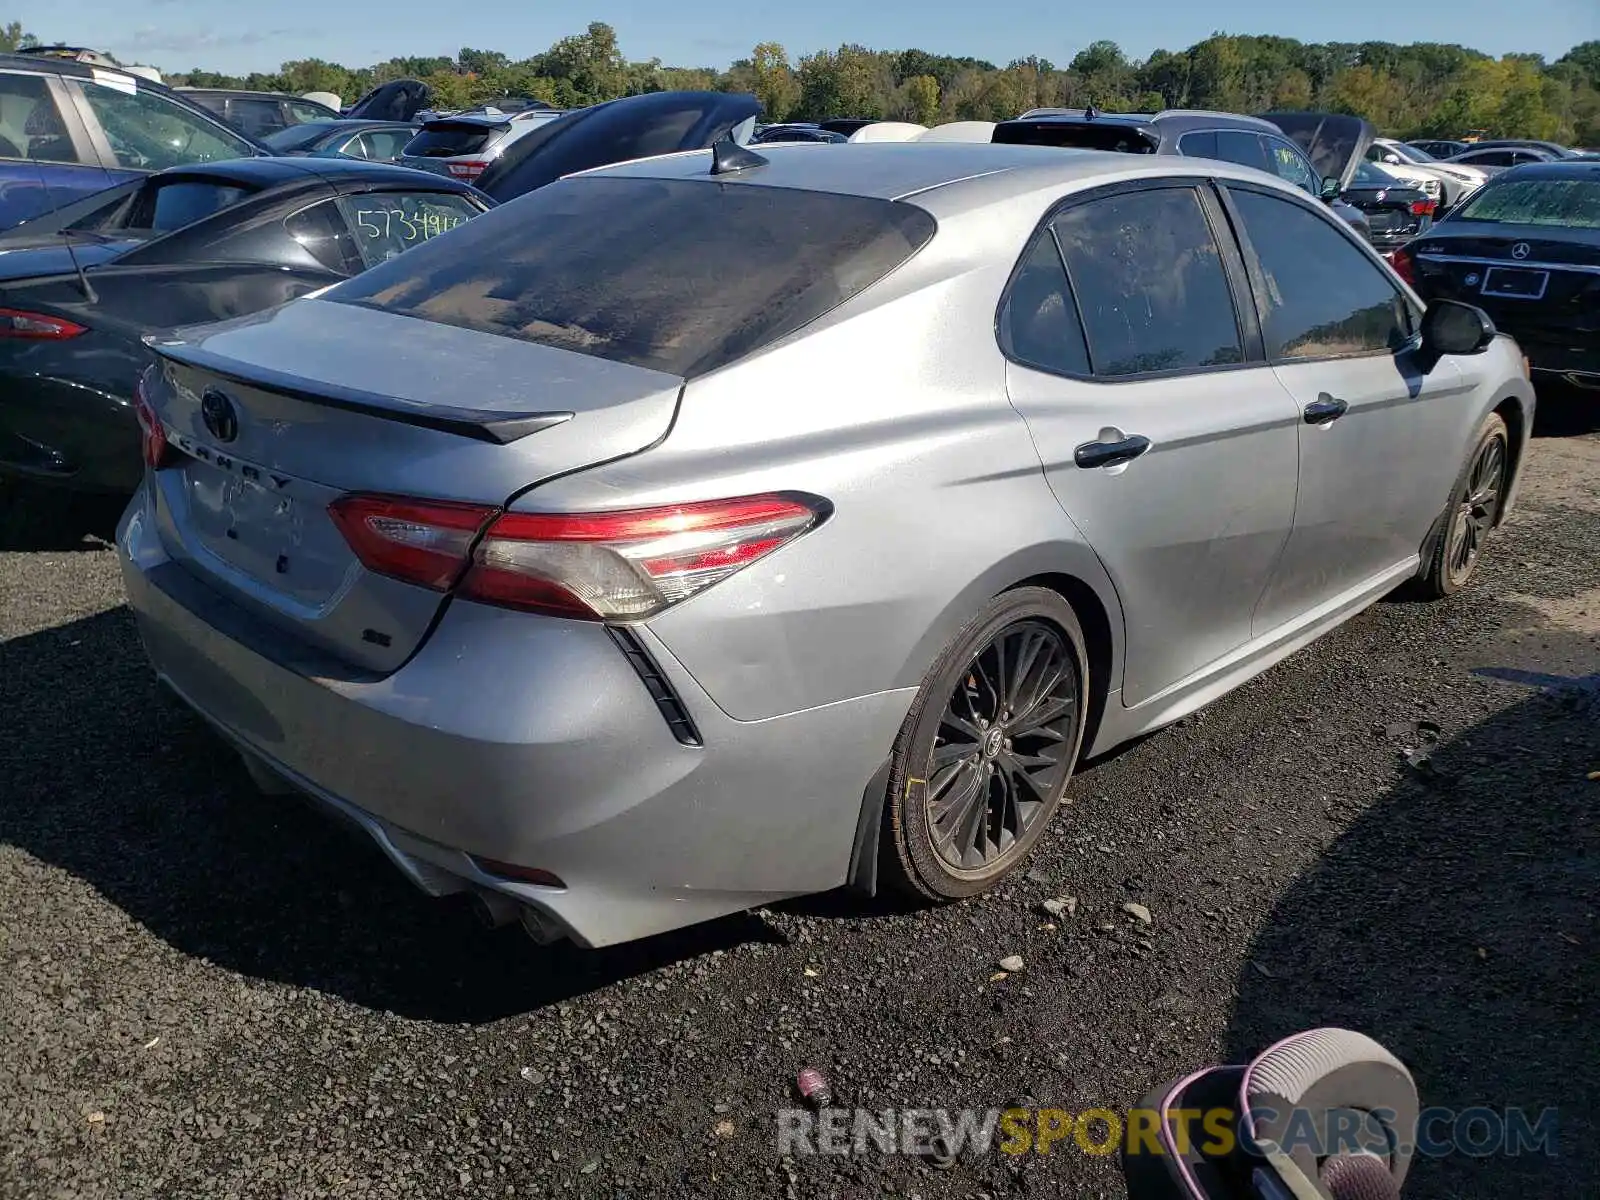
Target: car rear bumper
531,741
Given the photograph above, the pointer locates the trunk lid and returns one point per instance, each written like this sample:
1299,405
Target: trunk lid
277,415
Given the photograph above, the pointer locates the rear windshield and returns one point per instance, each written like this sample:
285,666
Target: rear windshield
1571,202
446,141
680,276
1087,136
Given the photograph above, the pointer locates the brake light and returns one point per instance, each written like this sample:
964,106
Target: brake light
153,445
621,565
32,326
1423,208
425,542
466,168
1403,266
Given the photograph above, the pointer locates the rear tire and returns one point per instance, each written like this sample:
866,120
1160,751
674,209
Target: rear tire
1471,514
984,756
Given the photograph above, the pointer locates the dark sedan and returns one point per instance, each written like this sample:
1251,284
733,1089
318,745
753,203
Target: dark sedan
80,288
375,141
1526,249
1395,212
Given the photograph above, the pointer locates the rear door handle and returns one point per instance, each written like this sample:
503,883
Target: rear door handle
1325,409
1106,454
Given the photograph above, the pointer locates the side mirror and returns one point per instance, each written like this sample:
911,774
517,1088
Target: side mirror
1451,327
1392,159
1330,188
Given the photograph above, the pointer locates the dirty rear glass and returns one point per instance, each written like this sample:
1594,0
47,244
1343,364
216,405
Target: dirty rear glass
1574,203
680,276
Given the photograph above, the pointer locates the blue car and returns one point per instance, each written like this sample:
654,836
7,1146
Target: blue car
68,129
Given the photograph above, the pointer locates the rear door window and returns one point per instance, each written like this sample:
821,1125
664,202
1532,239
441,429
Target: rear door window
1290,165
30,123
1320,295
148,132
680,276
1148,275
1242,147
303,112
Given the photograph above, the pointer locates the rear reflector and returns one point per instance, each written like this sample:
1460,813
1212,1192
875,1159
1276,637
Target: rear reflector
505,870
153,445
633,564
425,542
40,327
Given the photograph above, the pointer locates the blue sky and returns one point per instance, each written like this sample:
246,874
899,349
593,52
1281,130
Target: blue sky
241,36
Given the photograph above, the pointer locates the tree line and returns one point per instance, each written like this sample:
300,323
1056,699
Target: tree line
1425,89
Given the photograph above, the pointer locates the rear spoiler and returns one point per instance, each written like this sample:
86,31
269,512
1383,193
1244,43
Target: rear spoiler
500,428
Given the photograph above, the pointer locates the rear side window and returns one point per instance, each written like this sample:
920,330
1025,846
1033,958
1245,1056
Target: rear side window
256,117
1320,295
1039,324
1150,282
1290,165
447,141
681,276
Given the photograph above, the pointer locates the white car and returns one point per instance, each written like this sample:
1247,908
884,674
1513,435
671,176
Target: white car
1447,183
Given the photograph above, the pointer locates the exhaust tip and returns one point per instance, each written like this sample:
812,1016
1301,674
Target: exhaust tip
539,927
493,911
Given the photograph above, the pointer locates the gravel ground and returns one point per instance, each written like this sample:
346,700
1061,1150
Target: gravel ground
207,993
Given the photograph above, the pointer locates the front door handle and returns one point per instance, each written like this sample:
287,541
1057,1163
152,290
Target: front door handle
1106,454
1324,410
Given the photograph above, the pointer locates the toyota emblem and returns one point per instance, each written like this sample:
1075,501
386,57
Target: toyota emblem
217,411
1521,250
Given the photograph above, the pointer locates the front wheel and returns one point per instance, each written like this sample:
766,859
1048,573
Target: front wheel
1474,509
984,756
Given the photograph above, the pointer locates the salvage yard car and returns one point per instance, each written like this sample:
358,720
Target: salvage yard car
733,525
1526,248
80,288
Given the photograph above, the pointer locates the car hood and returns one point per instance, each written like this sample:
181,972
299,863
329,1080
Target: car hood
1334,143
615,132
52,255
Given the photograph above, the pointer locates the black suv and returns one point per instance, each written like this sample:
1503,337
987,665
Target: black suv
258,113
1315,152
69,128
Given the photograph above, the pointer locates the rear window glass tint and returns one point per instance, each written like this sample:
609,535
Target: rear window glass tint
680,276
174,205
1570,202
1150,283
447,141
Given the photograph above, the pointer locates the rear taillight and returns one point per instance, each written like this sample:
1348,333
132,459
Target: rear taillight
153,445
627,565
593,566
1423,208
425,542
466,168
41,327
1400,260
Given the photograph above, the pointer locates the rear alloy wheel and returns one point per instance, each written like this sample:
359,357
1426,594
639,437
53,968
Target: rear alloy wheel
1474,510
985,754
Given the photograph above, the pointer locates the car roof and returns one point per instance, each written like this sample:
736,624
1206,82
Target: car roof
45,64
247,92
984,172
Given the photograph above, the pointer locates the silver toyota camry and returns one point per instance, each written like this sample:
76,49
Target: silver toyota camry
730,526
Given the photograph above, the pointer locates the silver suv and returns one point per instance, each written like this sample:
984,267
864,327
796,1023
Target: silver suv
464,145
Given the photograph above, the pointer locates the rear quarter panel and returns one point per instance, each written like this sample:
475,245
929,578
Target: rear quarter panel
894,409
